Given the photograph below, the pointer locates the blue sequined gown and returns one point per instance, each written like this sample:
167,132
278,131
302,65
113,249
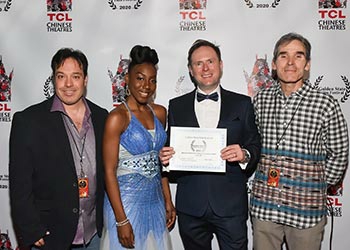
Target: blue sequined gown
139,177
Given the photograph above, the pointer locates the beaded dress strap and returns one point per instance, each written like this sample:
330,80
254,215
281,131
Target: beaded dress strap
126,105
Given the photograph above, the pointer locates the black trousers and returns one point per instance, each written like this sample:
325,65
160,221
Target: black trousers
197,232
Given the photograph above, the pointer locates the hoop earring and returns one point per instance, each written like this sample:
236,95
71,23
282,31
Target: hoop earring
127,90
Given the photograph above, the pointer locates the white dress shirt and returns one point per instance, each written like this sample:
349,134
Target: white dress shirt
208,111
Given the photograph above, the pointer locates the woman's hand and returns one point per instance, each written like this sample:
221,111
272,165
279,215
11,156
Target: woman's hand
170,214
126,236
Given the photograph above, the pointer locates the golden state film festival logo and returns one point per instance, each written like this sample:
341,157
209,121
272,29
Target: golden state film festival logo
4,184
341,92
58,13
49,88
5,5
262,4
125,4
182,86
193,15
332,14
5,93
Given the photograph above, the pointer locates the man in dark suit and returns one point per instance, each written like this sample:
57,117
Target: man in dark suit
56,170
214,203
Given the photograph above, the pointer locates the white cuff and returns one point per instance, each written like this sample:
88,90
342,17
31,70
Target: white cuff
243,165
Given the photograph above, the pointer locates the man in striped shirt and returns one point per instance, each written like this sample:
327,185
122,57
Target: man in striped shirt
304,149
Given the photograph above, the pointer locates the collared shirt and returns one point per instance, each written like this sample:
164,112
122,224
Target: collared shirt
208,111
82,144
305,138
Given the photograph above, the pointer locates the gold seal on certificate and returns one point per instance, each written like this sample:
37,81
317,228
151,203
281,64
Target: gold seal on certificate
197,149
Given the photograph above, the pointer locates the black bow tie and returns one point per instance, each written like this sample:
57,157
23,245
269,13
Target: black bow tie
214,97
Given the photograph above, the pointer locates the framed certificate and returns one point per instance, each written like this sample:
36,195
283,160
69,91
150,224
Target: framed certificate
197,149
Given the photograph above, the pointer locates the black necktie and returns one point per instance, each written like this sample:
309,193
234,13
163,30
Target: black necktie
214,97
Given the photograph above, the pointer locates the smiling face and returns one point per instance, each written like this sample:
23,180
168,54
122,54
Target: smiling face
291,64
206,68
142,82
70,82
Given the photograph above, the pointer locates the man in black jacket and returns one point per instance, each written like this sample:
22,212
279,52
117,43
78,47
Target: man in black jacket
214,203
56,170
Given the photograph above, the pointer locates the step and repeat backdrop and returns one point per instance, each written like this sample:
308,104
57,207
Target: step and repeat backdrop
105,30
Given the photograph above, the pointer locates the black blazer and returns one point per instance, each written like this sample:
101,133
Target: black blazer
226,193
43,181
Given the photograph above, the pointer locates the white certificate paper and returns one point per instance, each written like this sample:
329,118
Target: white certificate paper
197,149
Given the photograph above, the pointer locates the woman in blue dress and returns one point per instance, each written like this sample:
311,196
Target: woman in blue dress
138,210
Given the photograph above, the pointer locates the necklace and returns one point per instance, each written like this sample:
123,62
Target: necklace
80,152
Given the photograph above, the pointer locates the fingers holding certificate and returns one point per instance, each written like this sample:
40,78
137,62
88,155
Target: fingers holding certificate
197,149
165,154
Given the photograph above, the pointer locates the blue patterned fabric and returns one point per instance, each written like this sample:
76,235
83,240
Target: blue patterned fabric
140,189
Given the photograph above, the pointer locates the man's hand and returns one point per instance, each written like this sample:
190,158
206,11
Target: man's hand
40,243
232,153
